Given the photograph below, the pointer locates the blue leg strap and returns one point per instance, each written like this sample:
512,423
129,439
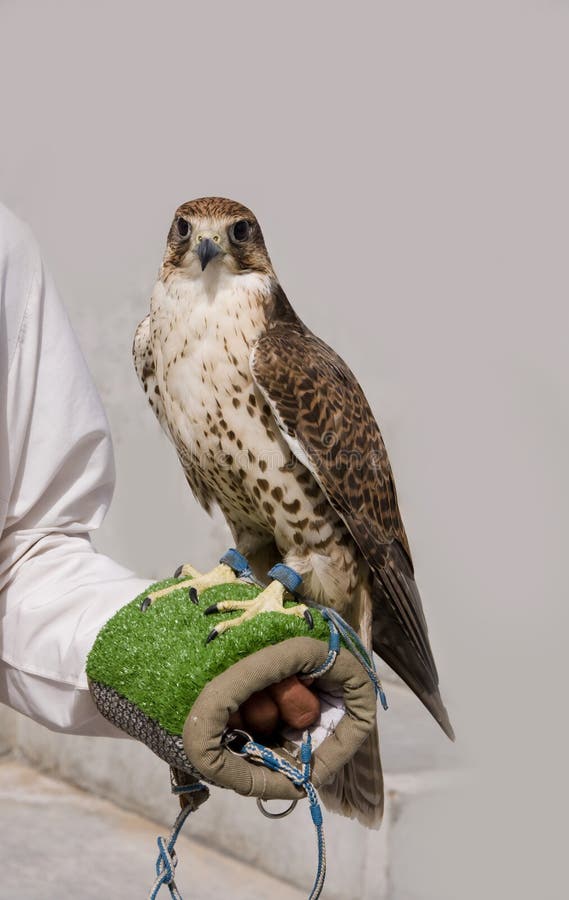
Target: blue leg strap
240,566
237,562
287,577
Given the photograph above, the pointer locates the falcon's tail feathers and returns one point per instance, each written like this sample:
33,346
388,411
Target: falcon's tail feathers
357,791
391,641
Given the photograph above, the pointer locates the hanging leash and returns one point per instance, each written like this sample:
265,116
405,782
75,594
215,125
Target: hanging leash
167,858
300,776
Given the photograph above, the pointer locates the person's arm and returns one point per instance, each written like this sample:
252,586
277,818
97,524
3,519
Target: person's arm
56,482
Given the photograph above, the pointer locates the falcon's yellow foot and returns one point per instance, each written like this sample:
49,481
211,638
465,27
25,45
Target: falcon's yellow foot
269,600
194,581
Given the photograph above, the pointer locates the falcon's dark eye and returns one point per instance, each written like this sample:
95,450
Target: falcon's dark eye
240,231
183,227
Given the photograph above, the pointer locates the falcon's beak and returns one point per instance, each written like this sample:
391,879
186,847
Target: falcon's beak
206,251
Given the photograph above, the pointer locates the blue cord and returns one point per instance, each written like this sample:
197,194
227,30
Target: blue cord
301,778
340,628
167,860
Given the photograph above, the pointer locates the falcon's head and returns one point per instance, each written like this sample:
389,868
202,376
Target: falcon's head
215,234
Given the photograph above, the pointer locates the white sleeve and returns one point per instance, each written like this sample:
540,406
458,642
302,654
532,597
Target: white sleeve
56,482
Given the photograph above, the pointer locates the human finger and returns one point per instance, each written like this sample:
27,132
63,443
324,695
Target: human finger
297,705
260,713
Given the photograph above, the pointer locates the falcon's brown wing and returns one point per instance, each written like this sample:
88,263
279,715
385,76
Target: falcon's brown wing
324,416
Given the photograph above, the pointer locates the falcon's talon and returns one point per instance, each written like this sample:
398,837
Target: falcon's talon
164,592
211,609
145,604
213,634
309,618
193,595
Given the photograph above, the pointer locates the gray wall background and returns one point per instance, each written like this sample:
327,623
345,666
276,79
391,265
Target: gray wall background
408,164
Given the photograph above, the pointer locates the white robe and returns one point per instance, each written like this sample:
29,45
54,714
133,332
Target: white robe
56,483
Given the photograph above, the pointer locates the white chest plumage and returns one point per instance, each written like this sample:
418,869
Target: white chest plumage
202,334
201,338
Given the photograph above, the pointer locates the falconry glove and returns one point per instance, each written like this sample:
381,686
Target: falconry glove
154,674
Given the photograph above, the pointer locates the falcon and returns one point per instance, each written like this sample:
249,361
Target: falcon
270,424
